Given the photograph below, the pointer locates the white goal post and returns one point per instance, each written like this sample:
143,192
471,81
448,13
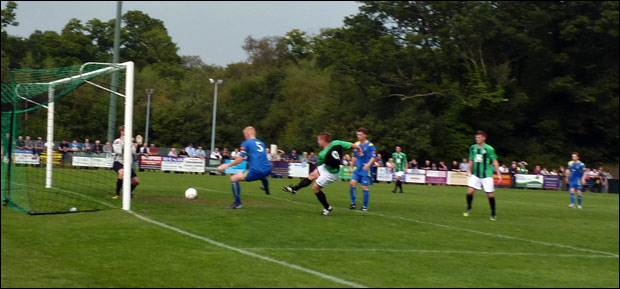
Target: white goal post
128,94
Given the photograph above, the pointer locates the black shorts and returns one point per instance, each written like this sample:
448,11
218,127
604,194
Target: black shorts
117,166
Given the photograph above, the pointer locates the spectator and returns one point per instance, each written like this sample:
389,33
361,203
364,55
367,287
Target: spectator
153,150
544,172
183,153
390,164
594,181
173,153
225,156
464,165
605,176
215,155
413,164
19,143
346,160
74,146
87,147
442,166
98,147
304,157
190,150
280,155
455,166
200,153
523,167
514,169
536,170
144,150
312,160
379,161
434,167
107,148
235,154
293,157
271,157
504,169
553,172
427,165
561,171
39,146
29,144
63,148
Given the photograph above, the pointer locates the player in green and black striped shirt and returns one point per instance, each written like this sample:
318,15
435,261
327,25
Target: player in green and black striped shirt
482,159
401,164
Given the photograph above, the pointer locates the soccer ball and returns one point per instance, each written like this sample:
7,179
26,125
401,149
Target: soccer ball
73,209
191,193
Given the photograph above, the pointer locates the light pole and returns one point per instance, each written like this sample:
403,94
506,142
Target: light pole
149,92
216,82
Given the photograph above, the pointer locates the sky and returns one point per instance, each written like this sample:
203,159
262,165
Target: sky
213,30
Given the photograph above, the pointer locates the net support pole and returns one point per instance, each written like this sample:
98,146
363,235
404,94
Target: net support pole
50,138
129,148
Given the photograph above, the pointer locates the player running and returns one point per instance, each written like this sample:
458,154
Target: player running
363,158
327,170
575,178
253,150
118,153
401,164
480,172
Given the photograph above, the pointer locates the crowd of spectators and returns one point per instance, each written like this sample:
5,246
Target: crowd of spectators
596,177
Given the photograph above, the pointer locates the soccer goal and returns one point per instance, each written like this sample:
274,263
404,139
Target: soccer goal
48,175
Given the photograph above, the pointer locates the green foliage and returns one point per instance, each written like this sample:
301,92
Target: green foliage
540,77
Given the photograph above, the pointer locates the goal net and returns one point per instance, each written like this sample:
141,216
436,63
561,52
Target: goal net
54,153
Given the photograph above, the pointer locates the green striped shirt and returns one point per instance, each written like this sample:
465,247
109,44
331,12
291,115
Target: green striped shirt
483,160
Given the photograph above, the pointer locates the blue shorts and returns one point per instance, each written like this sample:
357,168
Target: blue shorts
251,175
575,185
362,178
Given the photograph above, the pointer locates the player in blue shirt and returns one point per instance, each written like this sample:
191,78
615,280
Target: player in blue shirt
253,150
575,178
363,158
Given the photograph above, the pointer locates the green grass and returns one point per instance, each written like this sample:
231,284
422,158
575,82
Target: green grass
416,239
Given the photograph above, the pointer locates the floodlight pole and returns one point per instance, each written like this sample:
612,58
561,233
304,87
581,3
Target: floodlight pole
216,82
149,92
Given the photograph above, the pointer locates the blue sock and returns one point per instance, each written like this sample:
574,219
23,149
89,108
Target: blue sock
236,189
366,197
579,200
572,198
265,184
352,191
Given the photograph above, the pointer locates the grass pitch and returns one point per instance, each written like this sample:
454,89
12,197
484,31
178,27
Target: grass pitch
416,239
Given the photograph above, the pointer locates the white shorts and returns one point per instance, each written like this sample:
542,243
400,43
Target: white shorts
400,174
325,177
478,183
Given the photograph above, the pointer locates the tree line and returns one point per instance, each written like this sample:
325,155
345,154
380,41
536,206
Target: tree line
541,78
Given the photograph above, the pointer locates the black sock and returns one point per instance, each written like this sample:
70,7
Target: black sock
396,185
492,203
400,185
265,185
321,196
133,187
119,185
304,183
470,198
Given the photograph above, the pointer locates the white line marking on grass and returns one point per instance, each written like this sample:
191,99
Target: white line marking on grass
456,228
251,254
431,251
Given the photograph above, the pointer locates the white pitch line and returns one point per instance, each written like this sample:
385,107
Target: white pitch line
431,251
460,229
251,254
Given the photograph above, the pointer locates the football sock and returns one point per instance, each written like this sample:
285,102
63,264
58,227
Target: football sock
119,185
400,185
492,203
470,198
265,184
304,183
133,187
353,198
236,189
572,198
579,199
323,199
366,197
395,186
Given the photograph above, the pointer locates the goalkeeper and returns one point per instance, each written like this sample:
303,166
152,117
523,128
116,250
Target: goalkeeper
118,152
